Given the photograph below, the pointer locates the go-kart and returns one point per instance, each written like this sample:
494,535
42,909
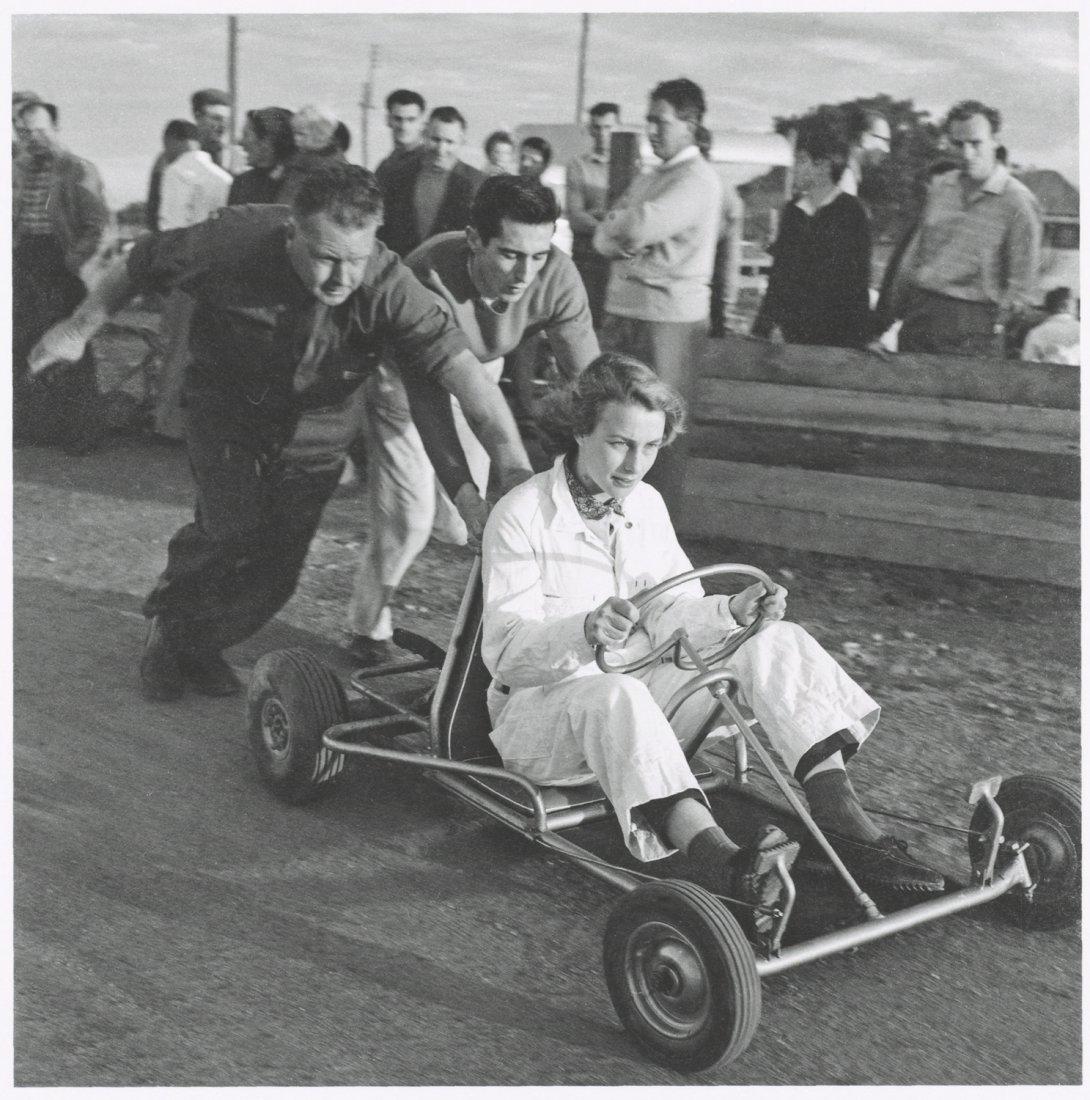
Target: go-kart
684,979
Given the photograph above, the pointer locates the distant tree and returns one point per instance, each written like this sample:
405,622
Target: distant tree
893,190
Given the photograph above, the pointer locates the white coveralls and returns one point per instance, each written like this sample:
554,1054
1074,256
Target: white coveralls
563,720
406,505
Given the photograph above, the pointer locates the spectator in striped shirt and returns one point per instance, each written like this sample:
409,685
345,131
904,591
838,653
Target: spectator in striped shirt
59,219
973,262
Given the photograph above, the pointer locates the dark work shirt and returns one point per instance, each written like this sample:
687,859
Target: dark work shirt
819,285
255,323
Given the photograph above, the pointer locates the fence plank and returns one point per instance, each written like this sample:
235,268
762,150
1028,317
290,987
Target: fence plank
946,420
1005,381
998,534
907,459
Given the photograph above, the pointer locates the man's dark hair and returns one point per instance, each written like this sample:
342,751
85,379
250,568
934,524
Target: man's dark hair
821,139
404,97
538,145
208,97
273,124
686,97
497,137
604,108
49,108
1057,299
345,193
448,115
527,202
968,108
342,137
180,129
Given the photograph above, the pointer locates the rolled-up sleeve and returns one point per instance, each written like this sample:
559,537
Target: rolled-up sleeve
177,258
421,334
522,647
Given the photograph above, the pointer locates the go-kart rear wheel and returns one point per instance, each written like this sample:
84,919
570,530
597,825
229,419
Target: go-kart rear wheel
681,975
1045,814
293,700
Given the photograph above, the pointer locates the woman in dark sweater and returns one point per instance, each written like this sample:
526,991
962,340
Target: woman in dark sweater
269,143
819,285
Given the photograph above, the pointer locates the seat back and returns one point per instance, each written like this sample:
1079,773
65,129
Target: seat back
460,721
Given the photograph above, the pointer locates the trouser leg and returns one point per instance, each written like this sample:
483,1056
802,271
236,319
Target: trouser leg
405,503
231,569
608,726
672,350
400,504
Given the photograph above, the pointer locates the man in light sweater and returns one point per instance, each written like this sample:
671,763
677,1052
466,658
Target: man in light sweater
501,281
661,237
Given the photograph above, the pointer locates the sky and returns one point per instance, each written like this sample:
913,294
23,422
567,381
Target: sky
118,79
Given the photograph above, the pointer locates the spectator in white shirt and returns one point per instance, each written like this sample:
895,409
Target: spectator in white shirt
193,184
1055,340
193,187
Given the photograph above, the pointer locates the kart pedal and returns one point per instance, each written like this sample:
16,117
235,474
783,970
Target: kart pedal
765,858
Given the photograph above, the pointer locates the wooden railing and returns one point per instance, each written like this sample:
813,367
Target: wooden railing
959,463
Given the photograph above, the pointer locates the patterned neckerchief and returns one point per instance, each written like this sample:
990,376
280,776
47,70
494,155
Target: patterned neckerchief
586,504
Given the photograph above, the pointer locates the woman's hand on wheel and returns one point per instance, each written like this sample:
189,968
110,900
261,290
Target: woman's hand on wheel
610,624
757,599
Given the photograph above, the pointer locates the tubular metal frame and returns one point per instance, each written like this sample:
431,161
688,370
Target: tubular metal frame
543,824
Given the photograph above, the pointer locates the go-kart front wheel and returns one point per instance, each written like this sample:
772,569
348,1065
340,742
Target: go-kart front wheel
1046,815
293,700
681,975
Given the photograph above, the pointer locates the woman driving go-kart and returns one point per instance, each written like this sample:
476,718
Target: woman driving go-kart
564,556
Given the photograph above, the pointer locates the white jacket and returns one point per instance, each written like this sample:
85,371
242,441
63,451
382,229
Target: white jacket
544,570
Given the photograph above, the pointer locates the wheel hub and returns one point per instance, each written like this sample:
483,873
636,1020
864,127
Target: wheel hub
667,979
275,729
1051,856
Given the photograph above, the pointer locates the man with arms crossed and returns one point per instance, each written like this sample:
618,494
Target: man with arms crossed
294,308
500,280
661,237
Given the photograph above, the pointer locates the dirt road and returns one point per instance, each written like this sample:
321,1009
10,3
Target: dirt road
175,925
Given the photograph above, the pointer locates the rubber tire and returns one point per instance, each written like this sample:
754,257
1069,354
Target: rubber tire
1053,808
295,688
709,936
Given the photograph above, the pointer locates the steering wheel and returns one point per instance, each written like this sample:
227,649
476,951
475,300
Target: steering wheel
642,599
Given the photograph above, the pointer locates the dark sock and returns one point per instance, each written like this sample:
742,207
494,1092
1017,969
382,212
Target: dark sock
710,851
835,806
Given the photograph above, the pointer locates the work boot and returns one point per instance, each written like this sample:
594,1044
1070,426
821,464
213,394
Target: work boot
161,679
209,673
883,864
370,652
752,881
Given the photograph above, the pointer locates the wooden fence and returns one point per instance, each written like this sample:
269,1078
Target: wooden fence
959,463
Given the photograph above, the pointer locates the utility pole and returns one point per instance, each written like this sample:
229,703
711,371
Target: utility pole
581,88
232,75
365,106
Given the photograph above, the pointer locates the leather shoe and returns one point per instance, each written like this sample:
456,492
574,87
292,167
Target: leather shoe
161,679
752,879
883,864
369,652
209,673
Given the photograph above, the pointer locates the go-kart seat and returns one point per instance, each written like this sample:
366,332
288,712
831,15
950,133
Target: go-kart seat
462,724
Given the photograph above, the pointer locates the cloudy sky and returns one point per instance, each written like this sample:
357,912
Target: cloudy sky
119,78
